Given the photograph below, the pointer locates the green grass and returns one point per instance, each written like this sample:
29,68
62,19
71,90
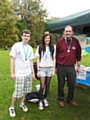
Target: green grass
53,112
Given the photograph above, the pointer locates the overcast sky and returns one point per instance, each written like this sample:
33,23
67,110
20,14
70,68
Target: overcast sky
63,8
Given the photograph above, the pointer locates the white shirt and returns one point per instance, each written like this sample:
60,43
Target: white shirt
46,58
22,66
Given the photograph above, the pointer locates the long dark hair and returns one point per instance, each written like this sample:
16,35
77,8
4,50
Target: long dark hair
43,46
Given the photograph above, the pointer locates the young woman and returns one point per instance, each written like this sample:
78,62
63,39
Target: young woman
46,67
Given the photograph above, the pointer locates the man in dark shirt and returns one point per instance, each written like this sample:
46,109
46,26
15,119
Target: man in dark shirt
68,52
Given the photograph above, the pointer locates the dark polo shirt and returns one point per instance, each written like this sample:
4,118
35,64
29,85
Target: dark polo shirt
63,57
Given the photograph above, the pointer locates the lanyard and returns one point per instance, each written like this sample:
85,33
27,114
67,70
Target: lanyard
68,46
25,51
47,53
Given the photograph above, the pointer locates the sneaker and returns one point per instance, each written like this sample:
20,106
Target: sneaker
24,107
40,106
45,102
12,112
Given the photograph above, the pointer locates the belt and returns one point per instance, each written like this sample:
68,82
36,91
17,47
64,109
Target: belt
47,67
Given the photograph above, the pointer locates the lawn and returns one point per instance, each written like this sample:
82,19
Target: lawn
53,112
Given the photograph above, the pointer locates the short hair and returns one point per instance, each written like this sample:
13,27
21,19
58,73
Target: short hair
26,31
68,26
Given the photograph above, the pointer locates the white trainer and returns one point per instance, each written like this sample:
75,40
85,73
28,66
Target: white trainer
40,105
45,102
12,112
24,107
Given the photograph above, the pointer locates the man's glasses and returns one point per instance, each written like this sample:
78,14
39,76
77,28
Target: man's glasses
26,36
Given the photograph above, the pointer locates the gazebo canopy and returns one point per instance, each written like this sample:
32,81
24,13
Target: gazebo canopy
79,21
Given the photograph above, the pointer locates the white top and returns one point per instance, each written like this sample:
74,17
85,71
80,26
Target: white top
19,51
46,58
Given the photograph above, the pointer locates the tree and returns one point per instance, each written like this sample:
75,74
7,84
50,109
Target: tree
8,29
31,11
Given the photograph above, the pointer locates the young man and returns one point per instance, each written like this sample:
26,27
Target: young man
21,62
68,52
